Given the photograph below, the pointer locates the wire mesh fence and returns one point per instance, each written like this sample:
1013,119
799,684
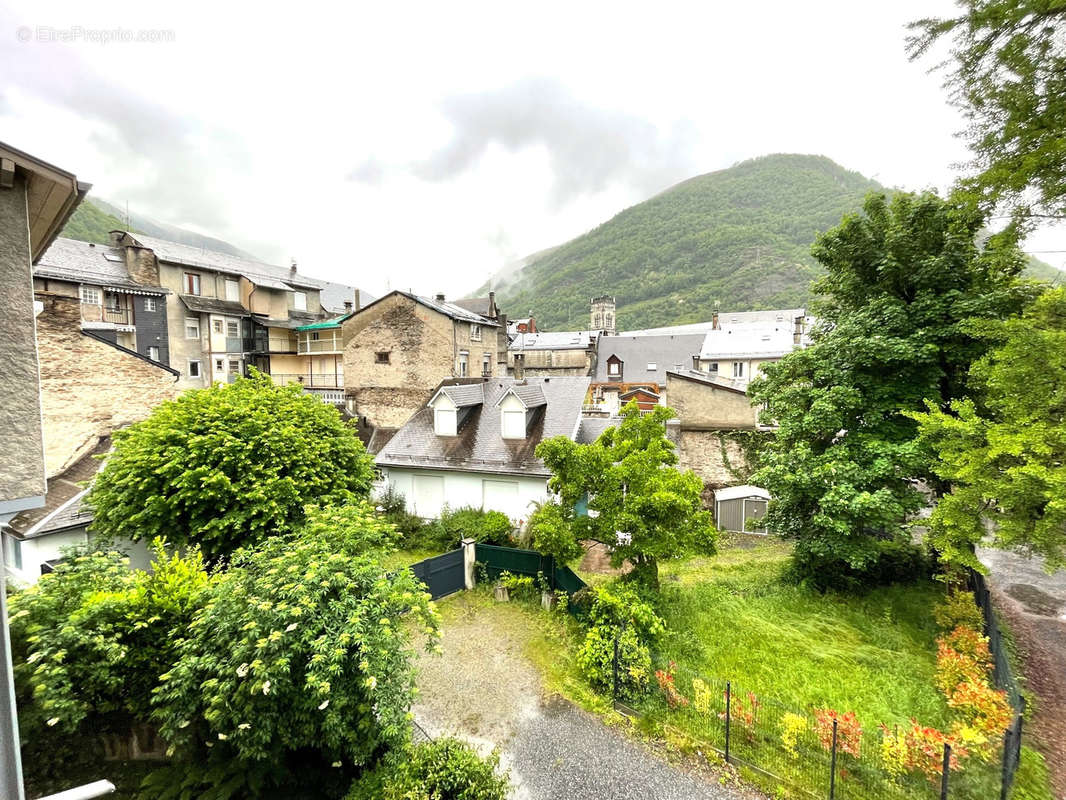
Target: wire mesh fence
817,753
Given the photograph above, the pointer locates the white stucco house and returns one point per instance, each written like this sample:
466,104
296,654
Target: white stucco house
473,444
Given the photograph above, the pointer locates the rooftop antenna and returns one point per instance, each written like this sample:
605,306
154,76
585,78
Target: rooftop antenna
127,216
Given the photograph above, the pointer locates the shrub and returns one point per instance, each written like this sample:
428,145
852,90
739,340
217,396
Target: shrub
445,769
792,727
954,668
849,731
892,562
519,587
595,659
987,712
958,609
551,533
414,532
668,686
487,527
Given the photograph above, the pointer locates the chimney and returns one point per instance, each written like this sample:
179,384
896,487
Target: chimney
347,306
492,305
142,266
358,300
519,366
714,318
440,297
292,269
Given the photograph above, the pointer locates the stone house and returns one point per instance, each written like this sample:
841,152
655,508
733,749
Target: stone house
473,444
400,347
113,305
739,344
625,363
556,353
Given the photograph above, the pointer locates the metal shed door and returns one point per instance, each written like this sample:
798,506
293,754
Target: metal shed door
755,509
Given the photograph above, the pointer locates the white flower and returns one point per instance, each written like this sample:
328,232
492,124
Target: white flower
222,737
242,670
184,724
266,687
336,764
323,705
53,721
292,626
243,726
372,682
34,657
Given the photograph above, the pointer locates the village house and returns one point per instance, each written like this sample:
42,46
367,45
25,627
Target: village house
473,443
113,305
229,313
634,368
398,348
737,349
552,353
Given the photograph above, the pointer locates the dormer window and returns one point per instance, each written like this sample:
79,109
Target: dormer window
475,333
614,367
514,424
444,421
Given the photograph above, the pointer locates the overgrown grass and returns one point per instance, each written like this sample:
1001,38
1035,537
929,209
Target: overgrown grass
732,617
405,558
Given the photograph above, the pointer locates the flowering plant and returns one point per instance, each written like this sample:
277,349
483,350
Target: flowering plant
849,732
674,698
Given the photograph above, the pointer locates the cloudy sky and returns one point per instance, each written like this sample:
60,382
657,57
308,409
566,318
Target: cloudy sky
423,145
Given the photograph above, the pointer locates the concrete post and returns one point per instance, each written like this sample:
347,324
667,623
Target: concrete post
468,546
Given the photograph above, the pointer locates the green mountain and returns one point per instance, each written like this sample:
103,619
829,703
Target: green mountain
95,218
740,236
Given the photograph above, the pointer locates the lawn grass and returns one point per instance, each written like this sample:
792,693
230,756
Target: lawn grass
732,617
405,558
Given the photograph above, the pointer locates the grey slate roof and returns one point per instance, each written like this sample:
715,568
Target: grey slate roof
637,352
334,295
479,445
83,262
464,395
63,506
592,427
479,305
709,379
553,340
212,305
446,308
529,394
257,272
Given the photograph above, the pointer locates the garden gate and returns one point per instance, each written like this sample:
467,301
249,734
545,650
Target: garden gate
443,574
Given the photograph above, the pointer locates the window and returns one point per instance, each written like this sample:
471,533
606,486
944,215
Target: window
738,369
299,301
233,330
192,328
13,551
444,421
475,333
514,424
112,301
90,295
464,359
652,366
233,290
614,368
608,321
219,365
194,369
713,366
381,358
234,367
149,304
192,283
314,336
153,353
486,365
216,324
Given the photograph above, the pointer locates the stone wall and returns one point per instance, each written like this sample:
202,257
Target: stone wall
701,452
88,388
703,406
21,476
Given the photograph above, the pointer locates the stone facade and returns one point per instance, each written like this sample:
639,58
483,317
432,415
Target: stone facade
702,405
397,350
602,315
89,388
702,452
21,477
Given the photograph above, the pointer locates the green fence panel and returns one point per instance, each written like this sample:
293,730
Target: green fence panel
526,562
567,580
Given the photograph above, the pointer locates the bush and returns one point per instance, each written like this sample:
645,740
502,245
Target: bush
551,533
486,527
959,609
894,562
616,611
446,769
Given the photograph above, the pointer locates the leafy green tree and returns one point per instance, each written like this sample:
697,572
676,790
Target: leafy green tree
1007,72
902,280
1004,454
551,533
445,769
90,641
298,665
640,505
228,466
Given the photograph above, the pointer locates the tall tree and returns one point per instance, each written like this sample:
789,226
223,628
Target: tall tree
902,279
227,466
1007,72
640,505
1005,455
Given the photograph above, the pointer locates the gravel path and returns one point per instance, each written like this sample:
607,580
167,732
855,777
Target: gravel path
484,690
1034,605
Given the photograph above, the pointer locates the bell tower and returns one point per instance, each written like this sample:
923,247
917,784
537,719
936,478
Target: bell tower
602,314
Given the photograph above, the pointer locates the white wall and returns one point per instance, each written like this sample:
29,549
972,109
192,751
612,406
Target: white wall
511,494
48,548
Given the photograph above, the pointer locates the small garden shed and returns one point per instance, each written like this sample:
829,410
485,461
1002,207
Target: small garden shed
737,507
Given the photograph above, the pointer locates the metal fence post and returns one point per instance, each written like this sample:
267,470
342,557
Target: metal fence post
833,765
1004,778
728,714
944,770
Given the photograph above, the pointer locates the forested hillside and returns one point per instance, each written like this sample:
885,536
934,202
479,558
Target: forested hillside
740,236
90,223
